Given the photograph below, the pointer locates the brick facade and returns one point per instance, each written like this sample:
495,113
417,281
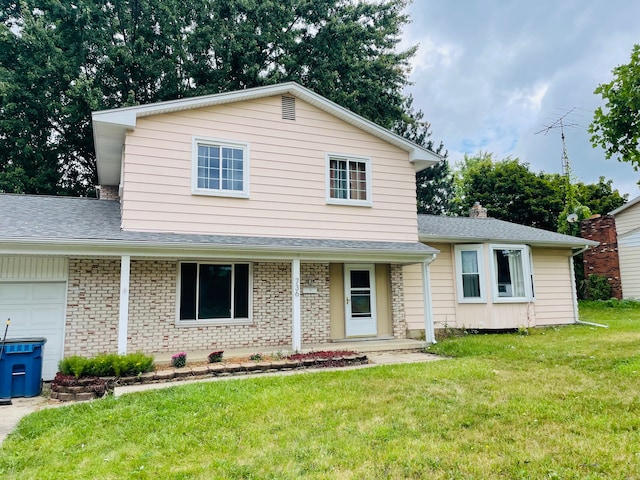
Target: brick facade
315,307
397,302
603,259
93,308
93,303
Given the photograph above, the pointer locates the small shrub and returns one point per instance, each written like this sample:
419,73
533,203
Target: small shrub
215,357
179,360
256,357
74,365
106,365
598,287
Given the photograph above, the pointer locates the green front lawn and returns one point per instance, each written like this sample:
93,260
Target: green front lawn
554,403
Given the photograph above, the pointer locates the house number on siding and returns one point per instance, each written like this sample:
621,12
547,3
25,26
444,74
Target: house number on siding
297,291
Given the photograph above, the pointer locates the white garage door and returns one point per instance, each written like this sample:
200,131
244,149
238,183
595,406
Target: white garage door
36,310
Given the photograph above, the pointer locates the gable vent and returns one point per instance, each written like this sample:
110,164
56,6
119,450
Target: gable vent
288,108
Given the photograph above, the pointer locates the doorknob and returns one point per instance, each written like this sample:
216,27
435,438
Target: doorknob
347,300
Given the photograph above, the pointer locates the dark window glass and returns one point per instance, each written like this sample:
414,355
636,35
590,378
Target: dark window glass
360,279
241,291
210,288
215,291
188,277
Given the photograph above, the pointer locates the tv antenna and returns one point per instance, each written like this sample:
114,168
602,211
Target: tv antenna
561,124
572,206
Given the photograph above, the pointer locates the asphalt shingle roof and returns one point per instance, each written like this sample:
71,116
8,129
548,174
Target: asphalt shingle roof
59,219
465,229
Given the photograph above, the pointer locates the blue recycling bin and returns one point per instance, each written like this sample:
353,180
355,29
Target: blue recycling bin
21,368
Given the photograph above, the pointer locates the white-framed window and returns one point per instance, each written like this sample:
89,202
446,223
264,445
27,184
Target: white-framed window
214,292
470,274
348,180
220,167
511,273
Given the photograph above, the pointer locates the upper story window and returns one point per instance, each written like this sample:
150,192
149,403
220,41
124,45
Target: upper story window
511,273
470,274
348,180
220,168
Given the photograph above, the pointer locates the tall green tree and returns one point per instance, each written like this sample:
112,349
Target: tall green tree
601,198
512,192
616,128
62,59
434,185
509,191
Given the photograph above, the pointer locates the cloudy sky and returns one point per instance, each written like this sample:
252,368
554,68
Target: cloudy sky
489,74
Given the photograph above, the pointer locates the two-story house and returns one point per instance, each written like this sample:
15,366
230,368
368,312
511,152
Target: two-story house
262,218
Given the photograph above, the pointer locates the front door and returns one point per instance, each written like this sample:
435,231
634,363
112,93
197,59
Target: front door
360,299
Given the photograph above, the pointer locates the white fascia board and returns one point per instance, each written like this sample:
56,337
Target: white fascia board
107,248
580,242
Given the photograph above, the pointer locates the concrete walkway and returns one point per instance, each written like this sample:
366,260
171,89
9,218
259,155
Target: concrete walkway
10,415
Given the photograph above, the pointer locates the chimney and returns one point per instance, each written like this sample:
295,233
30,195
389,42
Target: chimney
477,211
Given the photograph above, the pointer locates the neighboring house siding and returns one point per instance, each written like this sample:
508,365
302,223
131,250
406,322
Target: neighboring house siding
554,295
93,300
628,220
629,252
627,225
287,176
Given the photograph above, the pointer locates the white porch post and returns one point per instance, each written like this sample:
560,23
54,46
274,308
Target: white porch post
123,319
429,333
296,342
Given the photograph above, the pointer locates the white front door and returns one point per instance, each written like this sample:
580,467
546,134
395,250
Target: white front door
360,300
36,310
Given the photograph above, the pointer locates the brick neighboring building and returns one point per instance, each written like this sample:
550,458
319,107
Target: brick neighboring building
602,260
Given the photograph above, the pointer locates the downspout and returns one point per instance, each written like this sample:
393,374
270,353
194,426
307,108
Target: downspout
429,333
575,293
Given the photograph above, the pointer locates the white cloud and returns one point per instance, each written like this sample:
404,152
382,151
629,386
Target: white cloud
490,75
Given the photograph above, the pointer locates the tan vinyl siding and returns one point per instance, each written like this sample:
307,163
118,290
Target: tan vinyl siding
554,293
442,291
336,301
553,304
383,301
287,176
33,268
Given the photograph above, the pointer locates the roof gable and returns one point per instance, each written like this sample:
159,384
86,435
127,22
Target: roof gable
110,126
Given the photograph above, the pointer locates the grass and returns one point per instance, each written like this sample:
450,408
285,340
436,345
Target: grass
551,403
